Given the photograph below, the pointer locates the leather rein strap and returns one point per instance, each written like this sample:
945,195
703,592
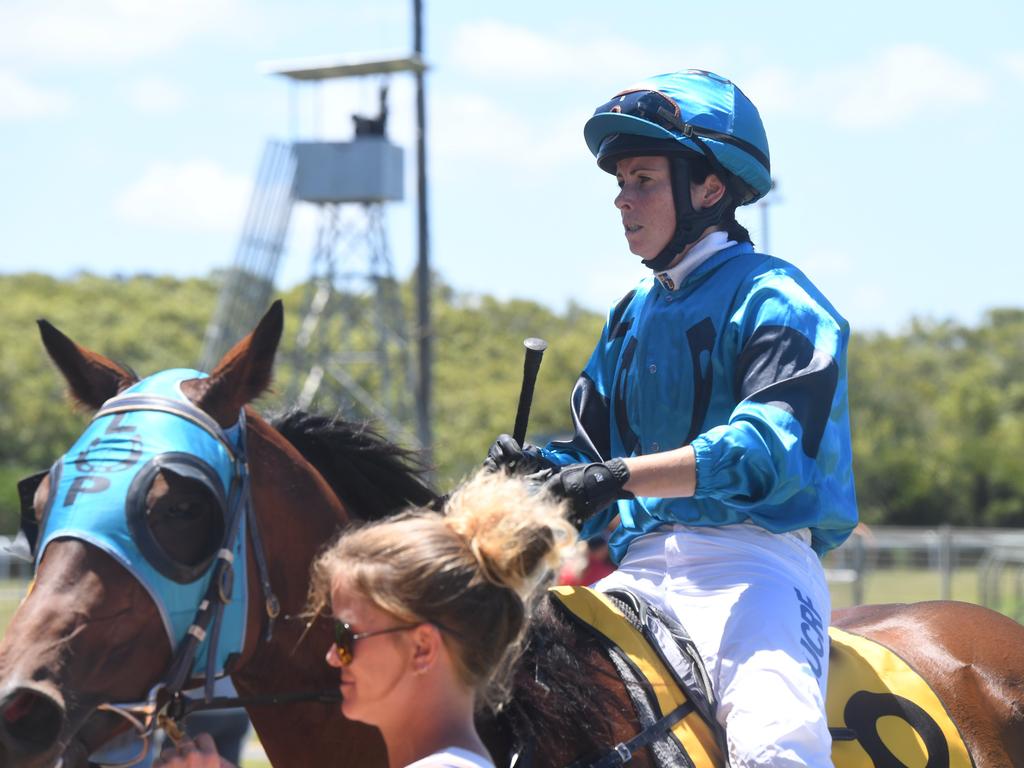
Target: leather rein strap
623,752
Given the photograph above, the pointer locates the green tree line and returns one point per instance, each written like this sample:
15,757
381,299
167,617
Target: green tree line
937,410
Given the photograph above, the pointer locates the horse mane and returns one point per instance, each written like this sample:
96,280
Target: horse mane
372,477
561,693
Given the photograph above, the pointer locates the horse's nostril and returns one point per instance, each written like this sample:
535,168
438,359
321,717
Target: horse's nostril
31,717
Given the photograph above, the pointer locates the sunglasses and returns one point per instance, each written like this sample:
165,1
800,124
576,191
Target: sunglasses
345,638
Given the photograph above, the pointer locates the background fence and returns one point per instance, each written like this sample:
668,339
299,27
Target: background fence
901,564
884,564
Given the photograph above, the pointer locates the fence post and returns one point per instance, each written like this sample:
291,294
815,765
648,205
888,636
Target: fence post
859,559
946,560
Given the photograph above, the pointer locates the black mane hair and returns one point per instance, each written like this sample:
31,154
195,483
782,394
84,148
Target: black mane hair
563,701
372,477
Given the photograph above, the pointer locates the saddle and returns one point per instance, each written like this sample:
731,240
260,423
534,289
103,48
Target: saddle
663,674
881,713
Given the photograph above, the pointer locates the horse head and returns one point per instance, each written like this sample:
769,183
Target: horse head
133,523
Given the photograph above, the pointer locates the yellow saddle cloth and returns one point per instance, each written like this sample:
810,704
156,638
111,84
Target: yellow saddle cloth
897,718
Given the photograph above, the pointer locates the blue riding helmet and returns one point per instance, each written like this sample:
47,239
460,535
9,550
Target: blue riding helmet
700,111
683,115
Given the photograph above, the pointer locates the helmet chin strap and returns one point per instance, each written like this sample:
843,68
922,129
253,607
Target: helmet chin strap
690,222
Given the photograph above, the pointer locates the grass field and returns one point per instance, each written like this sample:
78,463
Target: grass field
909,585
895,585
11,593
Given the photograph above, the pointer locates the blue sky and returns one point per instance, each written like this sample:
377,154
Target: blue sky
130,132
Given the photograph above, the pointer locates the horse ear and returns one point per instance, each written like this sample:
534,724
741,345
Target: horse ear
242,374
92,378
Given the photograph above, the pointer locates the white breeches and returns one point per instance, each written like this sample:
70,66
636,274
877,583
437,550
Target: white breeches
757,607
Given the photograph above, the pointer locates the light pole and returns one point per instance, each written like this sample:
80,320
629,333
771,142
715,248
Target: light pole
424,330
764,204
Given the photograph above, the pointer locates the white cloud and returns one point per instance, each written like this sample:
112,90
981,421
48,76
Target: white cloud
898,84
890,87
156,95
20,99
902,82
495,49
564,76
194,196
1014,62
774,90
473,127
104,30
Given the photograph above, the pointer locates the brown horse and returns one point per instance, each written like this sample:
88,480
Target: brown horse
88,633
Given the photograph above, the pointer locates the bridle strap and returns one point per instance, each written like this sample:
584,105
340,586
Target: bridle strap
203,420
187,706
211,607
623,752
146,717
271,605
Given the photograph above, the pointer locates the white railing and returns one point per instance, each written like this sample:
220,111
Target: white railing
998,554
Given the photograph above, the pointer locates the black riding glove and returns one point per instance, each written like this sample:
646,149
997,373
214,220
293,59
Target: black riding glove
507,455
589,488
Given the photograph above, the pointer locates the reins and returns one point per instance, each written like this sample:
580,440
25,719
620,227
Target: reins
148,717
623,752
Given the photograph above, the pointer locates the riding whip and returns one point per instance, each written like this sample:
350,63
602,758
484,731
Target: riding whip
531,364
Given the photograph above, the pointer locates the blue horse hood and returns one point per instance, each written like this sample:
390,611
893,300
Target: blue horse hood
98,495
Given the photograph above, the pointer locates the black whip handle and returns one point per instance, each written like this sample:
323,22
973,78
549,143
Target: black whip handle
531,364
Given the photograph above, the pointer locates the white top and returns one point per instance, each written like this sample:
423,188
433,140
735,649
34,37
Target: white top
453,757
702,250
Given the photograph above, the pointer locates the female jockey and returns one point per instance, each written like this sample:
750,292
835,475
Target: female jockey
712,417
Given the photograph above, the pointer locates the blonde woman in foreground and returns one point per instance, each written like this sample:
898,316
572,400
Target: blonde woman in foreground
429,613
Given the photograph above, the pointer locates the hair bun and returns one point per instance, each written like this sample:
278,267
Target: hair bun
516,533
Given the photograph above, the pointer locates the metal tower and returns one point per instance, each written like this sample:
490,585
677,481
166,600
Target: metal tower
352,352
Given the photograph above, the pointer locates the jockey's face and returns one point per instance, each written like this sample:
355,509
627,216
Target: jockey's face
646,204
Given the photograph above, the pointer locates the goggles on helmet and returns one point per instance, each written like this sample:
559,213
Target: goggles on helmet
657,108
